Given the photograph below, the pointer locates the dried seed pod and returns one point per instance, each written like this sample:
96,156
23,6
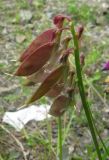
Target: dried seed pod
45,37
36,60
47,84
59,106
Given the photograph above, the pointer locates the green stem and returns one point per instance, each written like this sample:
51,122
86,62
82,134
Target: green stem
82,91
67,128
60,138
49,131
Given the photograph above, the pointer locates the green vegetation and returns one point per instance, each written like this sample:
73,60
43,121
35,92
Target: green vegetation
81,11
17,32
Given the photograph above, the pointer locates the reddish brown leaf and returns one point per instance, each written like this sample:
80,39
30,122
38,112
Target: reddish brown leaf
47,84
55,91
59,19
45,37
59,106
36,60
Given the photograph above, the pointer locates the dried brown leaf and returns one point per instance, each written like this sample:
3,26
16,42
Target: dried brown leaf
47,84
36,60
45,37
59,106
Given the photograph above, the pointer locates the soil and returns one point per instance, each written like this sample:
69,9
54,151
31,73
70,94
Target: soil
20,23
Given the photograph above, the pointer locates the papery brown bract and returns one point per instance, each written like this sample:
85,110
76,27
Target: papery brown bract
47,84
45,37
59,106
35,78
36,60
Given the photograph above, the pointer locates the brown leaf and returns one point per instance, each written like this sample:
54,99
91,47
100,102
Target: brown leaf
47,84
55,90
59,106
36,60
45,37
